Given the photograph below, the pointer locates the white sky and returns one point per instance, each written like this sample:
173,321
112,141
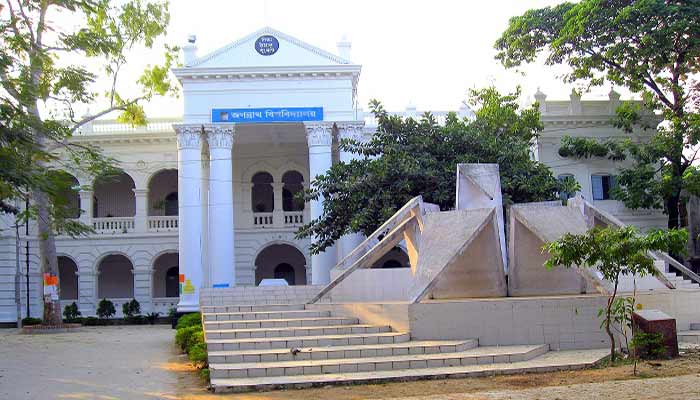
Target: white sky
425,52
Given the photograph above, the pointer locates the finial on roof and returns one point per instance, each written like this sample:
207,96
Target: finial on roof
344,47
191,39
189,51
539,94
613,95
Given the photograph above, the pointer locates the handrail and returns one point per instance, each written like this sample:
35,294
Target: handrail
659,256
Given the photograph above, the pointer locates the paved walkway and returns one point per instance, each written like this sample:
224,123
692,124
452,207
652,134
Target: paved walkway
118,362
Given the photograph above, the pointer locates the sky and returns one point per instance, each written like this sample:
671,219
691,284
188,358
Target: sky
428,53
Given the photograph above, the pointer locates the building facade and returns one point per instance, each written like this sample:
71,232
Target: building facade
208,199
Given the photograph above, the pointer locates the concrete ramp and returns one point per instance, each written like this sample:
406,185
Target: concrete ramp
531,226
459,256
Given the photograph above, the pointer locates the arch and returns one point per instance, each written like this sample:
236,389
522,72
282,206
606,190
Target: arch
394,258
67,193
162,193
293,183
115,277
114,196
165,275
67,278
262,194
273,256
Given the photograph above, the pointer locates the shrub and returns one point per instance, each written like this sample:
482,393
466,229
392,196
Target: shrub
183,336
188,320
92,321
31,321
131,308
648,345
71,312
105,309
152,317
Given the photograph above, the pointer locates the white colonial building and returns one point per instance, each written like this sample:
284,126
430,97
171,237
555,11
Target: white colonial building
208,199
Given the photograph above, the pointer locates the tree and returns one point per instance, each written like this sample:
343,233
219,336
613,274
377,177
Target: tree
409,157
46,69
652,47
614,252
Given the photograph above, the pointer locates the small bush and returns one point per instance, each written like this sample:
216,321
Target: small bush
187,320
152,317
71,312
172,312
648,346
135,320
131,309
105,309
183,336
31,321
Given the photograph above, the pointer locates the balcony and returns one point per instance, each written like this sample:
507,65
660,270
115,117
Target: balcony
293,218
113,225
163,224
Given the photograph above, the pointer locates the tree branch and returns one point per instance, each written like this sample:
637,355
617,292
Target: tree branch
105,112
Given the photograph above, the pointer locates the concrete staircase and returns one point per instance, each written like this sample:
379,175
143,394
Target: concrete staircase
253,347
690,336
680,282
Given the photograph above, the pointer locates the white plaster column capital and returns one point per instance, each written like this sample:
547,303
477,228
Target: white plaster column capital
188,136
319,134
220,136
353,130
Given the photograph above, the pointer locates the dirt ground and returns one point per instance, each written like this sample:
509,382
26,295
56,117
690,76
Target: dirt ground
141,362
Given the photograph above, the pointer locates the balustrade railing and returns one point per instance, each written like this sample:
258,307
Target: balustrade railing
163,223
293,218
113,224
263,219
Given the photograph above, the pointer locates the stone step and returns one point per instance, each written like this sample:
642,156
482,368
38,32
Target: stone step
695,326
307,341
279,323
252,308
551,361
689,337
294,331
258,315
479,355
335,352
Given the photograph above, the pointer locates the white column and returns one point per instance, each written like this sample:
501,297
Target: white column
320,139
189,182
141,214
86,206
352,131
221,241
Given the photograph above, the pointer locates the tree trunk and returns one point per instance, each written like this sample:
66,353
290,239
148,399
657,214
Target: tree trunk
608,330
673,211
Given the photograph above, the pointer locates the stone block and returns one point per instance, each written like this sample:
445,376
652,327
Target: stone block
655,321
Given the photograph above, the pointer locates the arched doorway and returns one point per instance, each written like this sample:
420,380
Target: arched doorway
114,197
115,278
67,278
262,193
293,184
281,261
395,258
162,193
67,195
165,276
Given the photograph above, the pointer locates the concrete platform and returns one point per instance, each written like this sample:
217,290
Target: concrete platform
551,361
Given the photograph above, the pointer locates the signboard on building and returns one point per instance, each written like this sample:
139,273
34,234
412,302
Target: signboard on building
267,45
270,114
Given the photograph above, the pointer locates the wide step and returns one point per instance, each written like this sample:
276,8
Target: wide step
481,355
335,352
279,323
551,361
300,331
259,315
307,341
253,308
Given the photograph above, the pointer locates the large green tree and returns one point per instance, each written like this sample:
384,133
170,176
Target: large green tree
53,56
408,157
651,47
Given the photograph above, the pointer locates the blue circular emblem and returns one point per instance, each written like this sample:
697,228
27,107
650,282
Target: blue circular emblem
267,45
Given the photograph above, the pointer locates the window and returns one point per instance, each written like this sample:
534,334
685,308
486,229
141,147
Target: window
293,184
262,194
602,185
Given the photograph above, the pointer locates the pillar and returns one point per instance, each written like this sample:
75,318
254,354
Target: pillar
141,214
143,291
189,182
86,207
278,212
320,139
350,131
221,235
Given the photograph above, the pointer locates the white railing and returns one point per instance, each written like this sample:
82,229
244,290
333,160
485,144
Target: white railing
108,127
113,224
263,219
293,218
163,223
